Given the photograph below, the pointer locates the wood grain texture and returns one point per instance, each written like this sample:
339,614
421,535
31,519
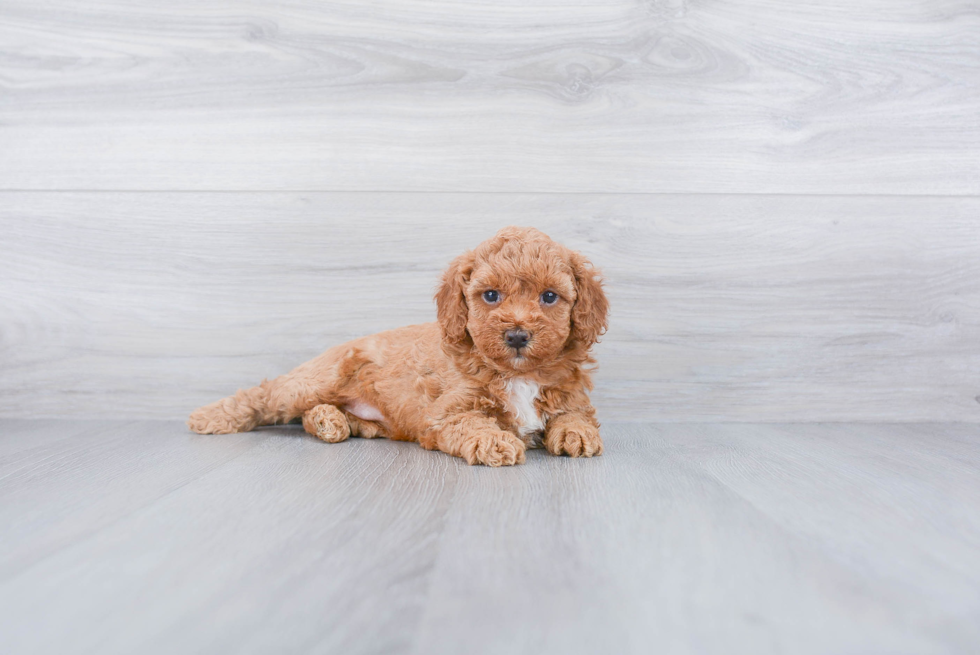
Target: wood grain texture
694,538
745,308
867,97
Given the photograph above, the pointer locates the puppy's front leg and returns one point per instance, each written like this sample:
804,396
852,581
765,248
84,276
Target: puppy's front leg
575,434
476,438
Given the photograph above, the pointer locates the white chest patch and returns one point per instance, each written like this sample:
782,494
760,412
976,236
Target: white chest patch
520,402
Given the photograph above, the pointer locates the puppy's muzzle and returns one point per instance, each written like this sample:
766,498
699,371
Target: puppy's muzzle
517,339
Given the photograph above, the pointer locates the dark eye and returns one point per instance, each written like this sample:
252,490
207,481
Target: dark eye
491,296
549,297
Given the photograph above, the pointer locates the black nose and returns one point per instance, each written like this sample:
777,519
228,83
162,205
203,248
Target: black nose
516,338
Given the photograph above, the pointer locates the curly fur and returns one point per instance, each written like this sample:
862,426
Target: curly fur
447,384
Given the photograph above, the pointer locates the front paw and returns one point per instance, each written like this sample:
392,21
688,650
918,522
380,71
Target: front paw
493,448
575,439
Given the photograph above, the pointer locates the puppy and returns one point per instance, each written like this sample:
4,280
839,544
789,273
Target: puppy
505,368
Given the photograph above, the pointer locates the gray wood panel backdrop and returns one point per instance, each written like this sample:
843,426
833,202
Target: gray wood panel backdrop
785,197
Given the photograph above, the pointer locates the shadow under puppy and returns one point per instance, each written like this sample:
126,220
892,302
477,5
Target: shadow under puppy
505,368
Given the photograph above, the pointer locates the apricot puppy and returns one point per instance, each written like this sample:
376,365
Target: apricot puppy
505,368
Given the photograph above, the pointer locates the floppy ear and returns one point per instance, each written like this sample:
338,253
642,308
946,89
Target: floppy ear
451,306
591,306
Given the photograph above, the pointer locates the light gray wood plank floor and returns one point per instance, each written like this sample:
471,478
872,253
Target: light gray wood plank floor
123,537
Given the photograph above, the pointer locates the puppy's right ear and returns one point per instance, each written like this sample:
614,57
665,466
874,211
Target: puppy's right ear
451,298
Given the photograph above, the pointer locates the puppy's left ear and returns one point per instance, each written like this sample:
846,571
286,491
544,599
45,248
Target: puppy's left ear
451,307
591,306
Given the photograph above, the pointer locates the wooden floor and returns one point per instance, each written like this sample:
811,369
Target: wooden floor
125,537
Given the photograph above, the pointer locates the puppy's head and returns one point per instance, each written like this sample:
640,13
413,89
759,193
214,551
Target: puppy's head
522,300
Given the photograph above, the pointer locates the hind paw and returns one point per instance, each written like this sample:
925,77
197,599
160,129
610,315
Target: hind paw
326,422
220,418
